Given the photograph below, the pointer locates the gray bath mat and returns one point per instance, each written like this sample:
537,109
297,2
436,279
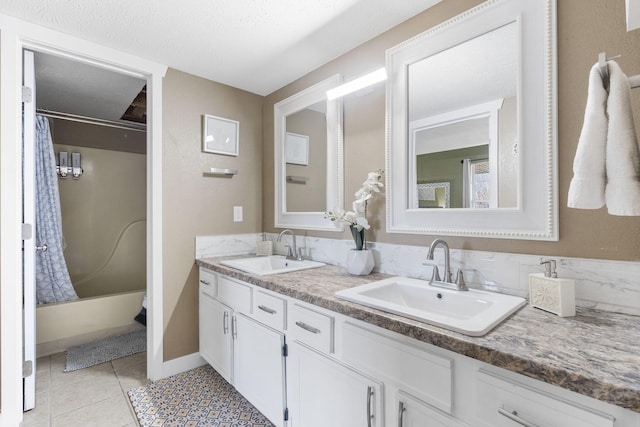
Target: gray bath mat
94,353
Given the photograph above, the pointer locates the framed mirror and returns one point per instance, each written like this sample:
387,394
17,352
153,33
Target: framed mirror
308,158
471,103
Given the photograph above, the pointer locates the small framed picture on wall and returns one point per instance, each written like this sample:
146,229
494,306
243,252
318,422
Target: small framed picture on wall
219,135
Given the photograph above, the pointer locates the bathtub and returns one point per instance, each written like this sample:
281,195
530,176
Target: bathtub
63,325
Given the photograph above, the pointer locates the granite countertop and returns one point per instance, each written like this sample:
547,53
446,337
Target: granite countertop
592,353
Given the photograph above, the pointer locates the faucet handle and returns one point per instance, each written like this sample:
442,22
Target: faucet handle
461,284
435,276
300,256
289,251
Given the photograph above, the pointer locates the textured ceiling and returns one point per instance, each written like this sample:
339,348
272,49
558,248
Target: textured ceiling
255,45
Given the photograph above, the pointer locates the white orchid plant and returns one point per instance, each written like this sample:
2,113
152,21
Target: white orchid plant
357,218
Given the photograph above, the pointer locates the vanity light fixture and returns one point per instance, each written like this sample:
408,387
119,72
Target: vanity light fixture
357,84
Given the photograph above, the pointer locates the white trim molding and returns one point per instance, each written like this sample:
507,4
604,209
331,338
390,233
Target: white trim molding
16,35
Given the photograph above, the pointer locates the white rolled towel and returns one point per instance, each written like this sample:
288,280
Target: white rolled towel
587,187
622,192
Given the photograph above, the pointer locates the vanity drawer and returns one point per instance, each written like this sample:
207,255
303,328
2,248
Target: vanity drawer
269,310
207,282
235,295
413,369
502,402
312,328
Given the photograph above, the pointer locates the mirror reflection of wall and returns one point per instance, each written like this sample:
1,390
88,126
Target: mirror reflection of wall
461,99
308,195
441,149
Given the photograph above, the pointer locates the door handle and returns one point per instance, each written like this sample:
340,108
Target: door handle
369,398
225,322
401,410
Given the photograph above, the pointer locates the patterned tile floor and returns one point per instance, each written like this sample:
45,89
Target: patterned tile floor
94,396
196,398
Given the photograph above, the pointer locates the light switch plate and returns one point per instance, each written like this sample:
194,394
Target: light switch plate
237,214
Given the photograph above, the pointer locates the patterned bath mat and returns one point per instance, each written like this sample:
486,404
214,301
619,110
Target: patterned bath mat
196,398
94,353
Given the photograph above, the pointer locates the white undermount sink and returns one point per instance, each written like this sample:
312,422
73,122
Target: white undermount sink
274,264
470,312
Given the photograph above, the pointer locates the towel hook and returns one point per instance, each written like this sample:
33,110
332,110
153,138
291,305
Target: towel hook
602,63
634,81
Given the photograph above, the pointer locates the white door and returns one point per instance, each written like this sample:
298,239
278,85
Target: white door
258,367
215,332
28,219
323,392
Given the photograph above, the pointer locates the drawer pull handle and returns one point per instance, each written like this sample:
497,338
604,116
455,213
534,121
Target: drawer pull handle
204,282
401,410
308,327
267,309
513,416
369,398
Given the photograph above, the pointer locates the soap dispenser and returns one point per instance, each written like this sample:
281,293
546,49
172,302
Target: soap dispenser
264,247
550,293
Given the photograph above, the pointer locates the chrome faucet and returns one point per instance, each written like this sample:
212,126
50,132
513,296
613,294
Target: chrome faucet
459,283
292,253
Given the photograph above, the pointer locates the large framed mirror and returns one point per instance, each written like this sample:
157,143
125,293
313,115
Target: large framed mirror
471,107
308,158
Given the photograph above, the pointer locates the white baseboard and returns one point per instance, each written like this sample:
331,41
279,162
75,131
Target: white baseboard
181,364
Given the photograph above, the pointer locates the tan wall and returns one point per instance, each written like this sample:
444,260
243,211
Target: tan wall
197,205
585,28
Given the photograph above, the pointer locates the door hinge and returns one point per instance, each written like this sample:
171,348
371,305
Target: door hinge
286,414
27,94
27,231
285,350
27,368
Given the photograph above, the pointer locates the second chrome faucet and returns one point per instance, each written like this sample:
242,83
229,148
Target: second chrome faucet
293,252
459,283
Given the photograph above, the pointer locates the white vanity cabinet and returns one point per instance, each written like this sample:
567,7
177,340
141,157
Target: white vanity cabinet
418,382
246,353
324,392
305,366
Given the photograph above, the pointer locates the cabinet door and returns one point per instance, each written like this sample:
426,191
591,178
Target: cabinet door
215,335
258,367
411,412
323,392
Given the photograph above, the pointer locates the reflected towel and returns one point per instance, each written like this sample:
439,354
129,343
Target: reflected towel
587,187
622,193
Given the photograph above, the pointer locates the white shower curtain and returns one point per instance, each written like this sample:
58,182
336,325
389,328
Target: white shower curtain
53,283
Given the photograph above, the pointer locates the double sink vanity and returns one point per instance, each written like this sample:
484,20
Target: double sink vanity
305,356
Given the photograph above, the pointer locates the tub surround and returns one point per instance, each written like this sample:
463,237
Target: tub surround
590,353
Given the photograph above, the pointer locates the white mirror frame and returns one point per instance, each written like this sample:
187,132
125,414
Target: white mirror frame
334,197
536,217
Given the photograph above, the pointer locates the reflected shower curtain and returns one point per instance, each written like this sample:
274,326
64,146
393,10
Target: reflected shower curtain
53,283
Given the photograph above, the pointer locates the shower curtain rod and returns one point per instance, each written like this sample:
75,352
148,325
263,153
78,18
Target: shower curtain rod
91,120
